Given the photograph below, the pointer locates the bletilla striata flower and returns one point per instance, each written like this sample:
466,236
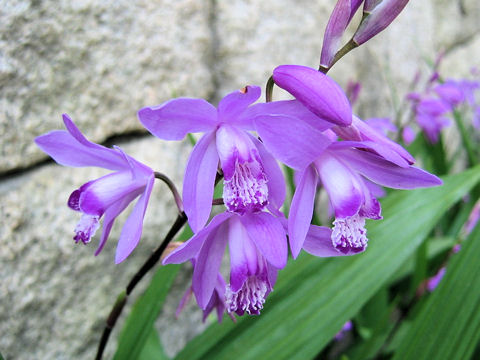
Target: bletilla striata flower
342,167
252,178
257,247
107,196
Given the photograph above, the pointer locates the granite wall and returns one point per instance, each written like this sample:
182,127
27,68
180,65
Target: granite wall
100,61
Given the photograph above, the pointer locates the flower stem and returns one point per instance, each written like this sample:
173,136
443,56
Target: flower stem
122,299
173,189
467,141
340,53
269,89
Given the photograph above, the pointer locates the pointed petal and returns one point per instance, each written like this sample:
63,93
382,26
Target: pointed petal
369,133
384,151
342,185
243,254
189,249
315,90
198,184
73,149
110,215
132,230
301,210
175,118
336,26
293,142
269,236
98,195
276,181
208,265
293,108
387,174
319,242
234,104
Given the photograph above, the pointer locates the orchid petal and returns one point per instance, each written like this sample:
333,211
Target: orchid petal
110,215
98,195
337,23
175,118
132,230
234,104
319,93
293,108
369,133
269,236
243,254
276,181
342,185
318,242
73,149
208,265
293,142
199,181
387,174
190,249
384,151
301,210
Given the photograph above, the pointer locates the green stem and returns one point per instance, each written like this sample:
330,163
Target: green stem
467,141
269,89
340,53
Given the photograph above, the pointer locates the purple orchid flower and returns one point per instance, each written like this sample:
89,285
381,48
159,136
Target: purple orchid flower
430,116
450,92
108,195
252,177
337,24
408,135
341,167
258,249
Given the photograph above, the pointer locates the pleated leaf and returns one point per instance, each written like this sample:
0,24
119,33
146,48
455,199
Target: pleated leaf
448,326
314,297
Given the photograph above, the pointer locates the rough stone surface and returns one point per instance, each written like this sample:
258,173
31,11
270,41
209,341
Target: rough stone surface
99,61
255,36
55,294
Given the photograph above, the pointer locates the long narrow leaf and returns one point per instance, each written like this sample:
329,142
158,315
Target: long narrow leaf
315,297
449,323
138,326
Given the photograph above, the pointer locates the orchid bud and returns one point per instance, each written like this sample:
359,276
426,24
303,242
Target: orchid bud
379,18
339,19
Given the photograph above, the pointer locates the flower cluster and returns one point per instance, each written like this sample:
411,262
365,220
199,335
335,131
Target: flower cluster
316,134
434,106
243,141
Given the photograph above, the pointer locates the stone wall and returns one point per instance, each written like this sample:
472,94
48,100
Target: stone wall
100,61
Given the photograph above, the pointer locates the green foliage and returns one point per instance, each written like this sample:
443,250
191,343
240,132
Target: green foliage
314,297
137,332
448,327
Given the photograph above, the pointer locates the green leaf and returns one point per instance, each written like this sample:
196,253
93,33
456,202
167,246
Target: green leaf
137,329
448,327
153,349
314,297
